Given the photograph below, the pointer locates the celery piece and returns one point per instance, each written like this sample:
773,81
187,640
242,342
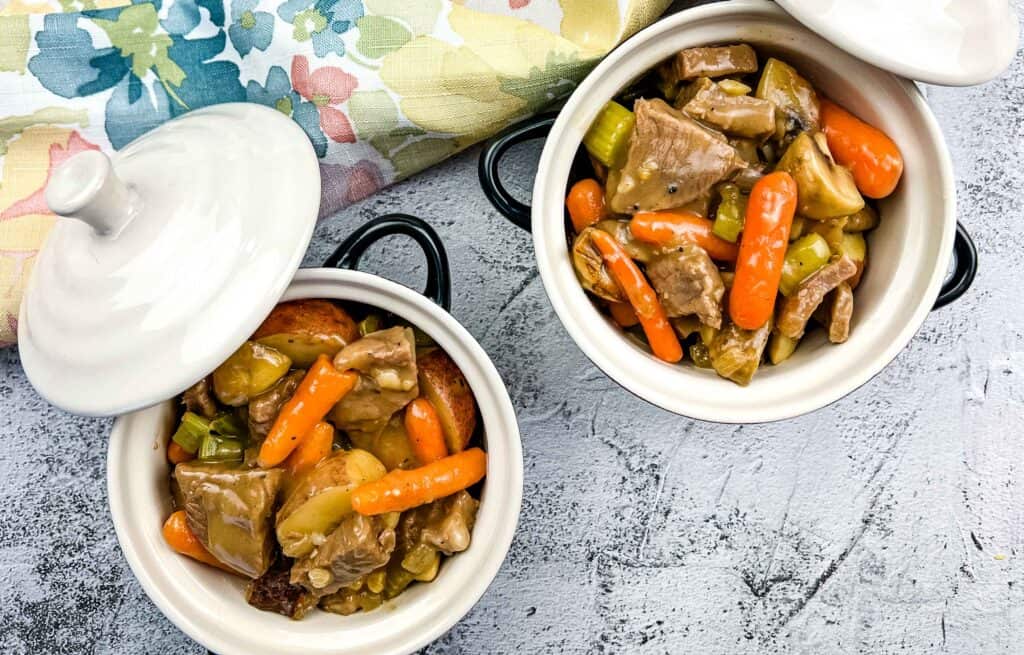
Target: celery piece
609,134
419,559
371,323
214,449
803,257
191,431
397,579
731,213
700,355
228,425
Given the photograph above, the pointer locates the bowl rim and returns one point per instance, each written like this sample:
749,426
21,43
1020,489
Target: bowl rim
500,504
557,154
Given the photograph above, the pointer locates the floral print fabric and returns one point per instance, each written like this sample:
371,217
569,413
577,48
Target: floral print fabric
383,88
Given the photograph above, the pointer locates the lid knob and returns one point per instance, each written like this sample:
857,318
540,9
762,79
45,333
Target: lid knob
85,187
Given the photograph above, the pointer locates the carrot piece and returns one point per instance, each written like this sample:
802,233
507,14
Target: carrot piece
623,314
426,436
400,489
176,454
762,250
661,336
312,448
318,392
179,536
586,204
873,158
680,226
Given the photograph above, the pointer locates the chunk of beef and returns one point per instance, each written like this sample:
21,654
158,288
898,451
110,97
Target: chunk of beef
687,282
736,353
229,510
800,304
673,160
841,313
386,363
692,63
446,525
272,592
740,116
443,526
355,548
264,408
198,399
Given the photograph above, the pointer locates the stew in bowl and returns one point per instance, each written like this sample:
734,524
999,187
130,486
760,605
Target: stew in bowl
331,461
907,263
727,209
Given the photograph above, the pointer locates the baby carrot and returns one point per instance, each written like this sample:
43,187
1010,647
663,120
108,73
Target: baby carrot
318,392
425,433
762,250
680,226
872,157
176,454
586,204
400,489
179,536
312,448
661,336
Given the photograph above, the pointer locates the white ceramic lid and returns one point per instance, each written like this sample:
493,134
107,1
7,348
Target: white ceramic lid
169,254
950,42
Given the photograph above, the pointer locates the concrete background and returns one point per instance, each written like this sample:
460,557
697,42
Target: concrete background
888,522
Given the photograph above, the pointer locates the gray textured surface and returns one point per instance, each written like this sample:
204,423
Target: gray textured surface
888,522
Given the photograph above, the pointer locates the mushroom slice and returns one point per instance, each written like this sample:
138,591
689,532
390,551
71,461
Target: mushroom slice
796,102
825,189
590,268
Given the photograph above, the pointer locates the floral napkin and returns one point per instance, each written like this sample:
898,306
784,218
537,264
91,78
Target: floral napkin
383,88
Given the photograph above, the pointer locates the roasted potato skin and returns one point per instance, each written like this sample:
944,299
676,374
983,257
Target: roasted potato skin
305,328
444,385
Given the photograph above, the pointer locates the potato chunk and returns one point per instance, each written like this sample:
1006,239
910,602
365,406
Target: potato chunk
248,372
322,498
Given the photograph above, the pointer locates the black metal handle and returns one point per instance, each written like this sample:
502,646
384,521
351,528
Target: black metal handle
965,268
515,211
439,279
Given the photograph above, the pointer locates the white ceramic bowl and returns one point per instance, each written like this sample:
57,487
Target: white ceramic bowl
909,253
209,605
